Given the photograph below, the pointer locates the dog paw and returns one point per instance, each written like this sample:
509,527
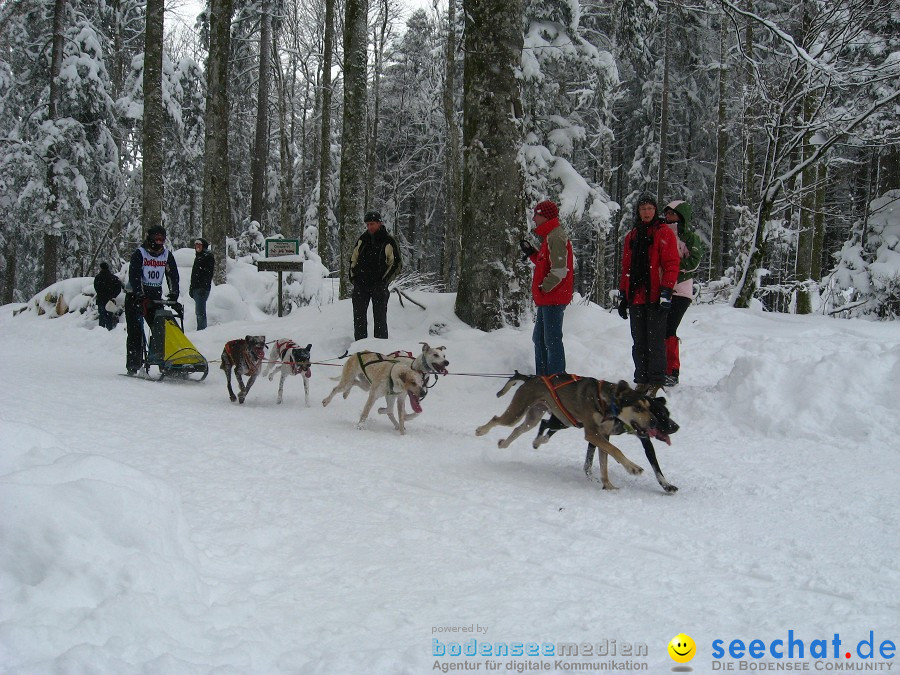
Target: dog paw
480,431
669,488
324,402
241,400
233,398
278,401
271,377
361,426
634,470
609,486
503,444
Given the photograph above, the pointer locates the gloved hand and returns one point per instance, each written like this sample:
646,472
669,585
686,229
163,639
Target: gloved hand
623,307
172,296
665,299
527,249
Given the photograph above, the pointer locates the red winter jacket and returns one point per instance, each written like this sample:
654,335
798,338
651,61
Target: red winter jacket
664,263
554,264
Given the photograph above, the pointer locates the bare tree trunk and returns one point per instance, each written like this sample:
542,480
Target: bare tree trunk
152,142
51,236
718,219
805,234
353,140
378,39
492,283
664,115
819,223
450,261
325,137
260,153
286,175
9,260
216,195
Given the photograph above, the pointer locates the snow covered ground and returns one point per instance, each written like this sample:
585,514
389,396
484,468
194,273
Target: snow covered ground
158,528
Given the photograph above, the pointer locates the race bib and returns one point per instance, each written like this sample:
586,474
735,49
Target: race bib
153,270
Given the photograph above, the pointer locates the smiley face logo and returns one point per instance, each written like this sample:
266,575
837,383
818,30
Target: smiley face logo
682,648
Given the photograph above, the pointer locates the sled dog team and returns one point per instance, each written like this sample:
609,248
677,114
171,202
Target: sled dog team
602,409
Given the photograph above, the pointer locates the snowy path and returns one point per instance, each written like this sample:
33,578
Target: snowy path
156,527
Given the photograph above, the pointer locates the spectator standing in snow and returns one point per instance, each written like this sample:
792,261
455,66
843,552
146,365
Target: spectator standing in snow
690,248
149,264
201,279
551,287
374,262
107,287
649,271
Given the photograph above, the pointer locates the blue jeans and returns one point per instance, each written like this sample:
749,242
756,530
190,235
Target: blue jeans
549,352
200,296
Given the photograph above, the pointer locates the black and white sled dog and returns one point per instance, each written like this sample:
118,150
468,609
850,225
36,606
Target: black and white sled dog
291,359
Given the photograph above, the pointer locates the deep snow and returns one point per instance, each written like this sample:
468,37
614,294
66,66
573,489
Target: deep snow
159,528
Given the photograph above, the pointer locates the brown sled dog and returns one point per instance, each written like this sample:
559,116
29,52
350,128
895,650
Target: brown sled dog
244,357
601,408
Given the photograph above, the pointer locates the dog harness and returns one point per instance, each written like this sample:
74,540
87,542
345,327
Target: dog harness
613,405
250,366
283,347
560,383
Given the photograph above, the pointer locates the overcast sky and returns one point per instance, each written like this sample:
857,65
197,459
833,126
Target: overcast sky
186,11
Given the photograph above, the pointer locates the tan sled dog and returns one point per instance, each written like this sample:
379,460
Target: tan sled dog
381,377
596,405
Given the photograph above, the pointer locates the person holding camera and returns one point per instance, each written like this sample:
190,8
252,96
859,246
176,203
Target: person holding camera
551,287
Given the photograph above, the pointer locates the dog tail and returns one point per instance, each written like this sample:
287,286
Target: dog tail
516,377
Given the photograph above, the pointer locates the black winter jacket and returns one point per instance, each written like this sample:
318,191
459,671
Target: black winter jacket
375,259
107,286
203,269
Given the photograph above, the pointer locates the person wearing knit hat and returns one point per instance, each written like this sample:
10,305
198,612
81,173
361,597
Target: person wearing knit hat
649,271
678,217
106,287
374,262
551,287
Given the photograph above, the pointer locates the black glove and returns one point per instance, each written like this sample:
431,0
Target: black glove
665,299
623,307
172,296
527,249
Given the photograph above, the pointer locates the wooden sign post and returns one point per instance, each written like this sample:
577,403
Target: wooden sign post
276,248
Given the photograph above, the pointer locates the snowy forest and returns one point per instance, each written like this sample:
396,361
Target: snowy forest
779,121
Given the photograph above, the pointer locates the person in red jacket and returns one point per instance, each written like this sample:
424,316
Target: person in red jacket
650,263
551,287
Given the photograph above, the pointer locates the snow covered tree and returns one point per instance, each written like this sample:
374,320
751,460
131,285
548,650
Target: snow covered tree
492,282
217,221
353,140
568,84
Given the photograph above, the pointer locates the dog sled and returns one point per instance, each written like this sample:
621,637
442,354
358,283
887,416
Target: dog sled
169,349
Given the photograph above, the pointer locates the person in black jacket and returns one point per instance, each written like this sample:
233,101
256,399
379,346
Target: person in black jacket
374,262
150,263
201,279
107,287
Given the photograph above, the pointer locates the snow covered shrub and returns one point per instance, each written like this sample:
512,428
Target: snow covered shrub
866,280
